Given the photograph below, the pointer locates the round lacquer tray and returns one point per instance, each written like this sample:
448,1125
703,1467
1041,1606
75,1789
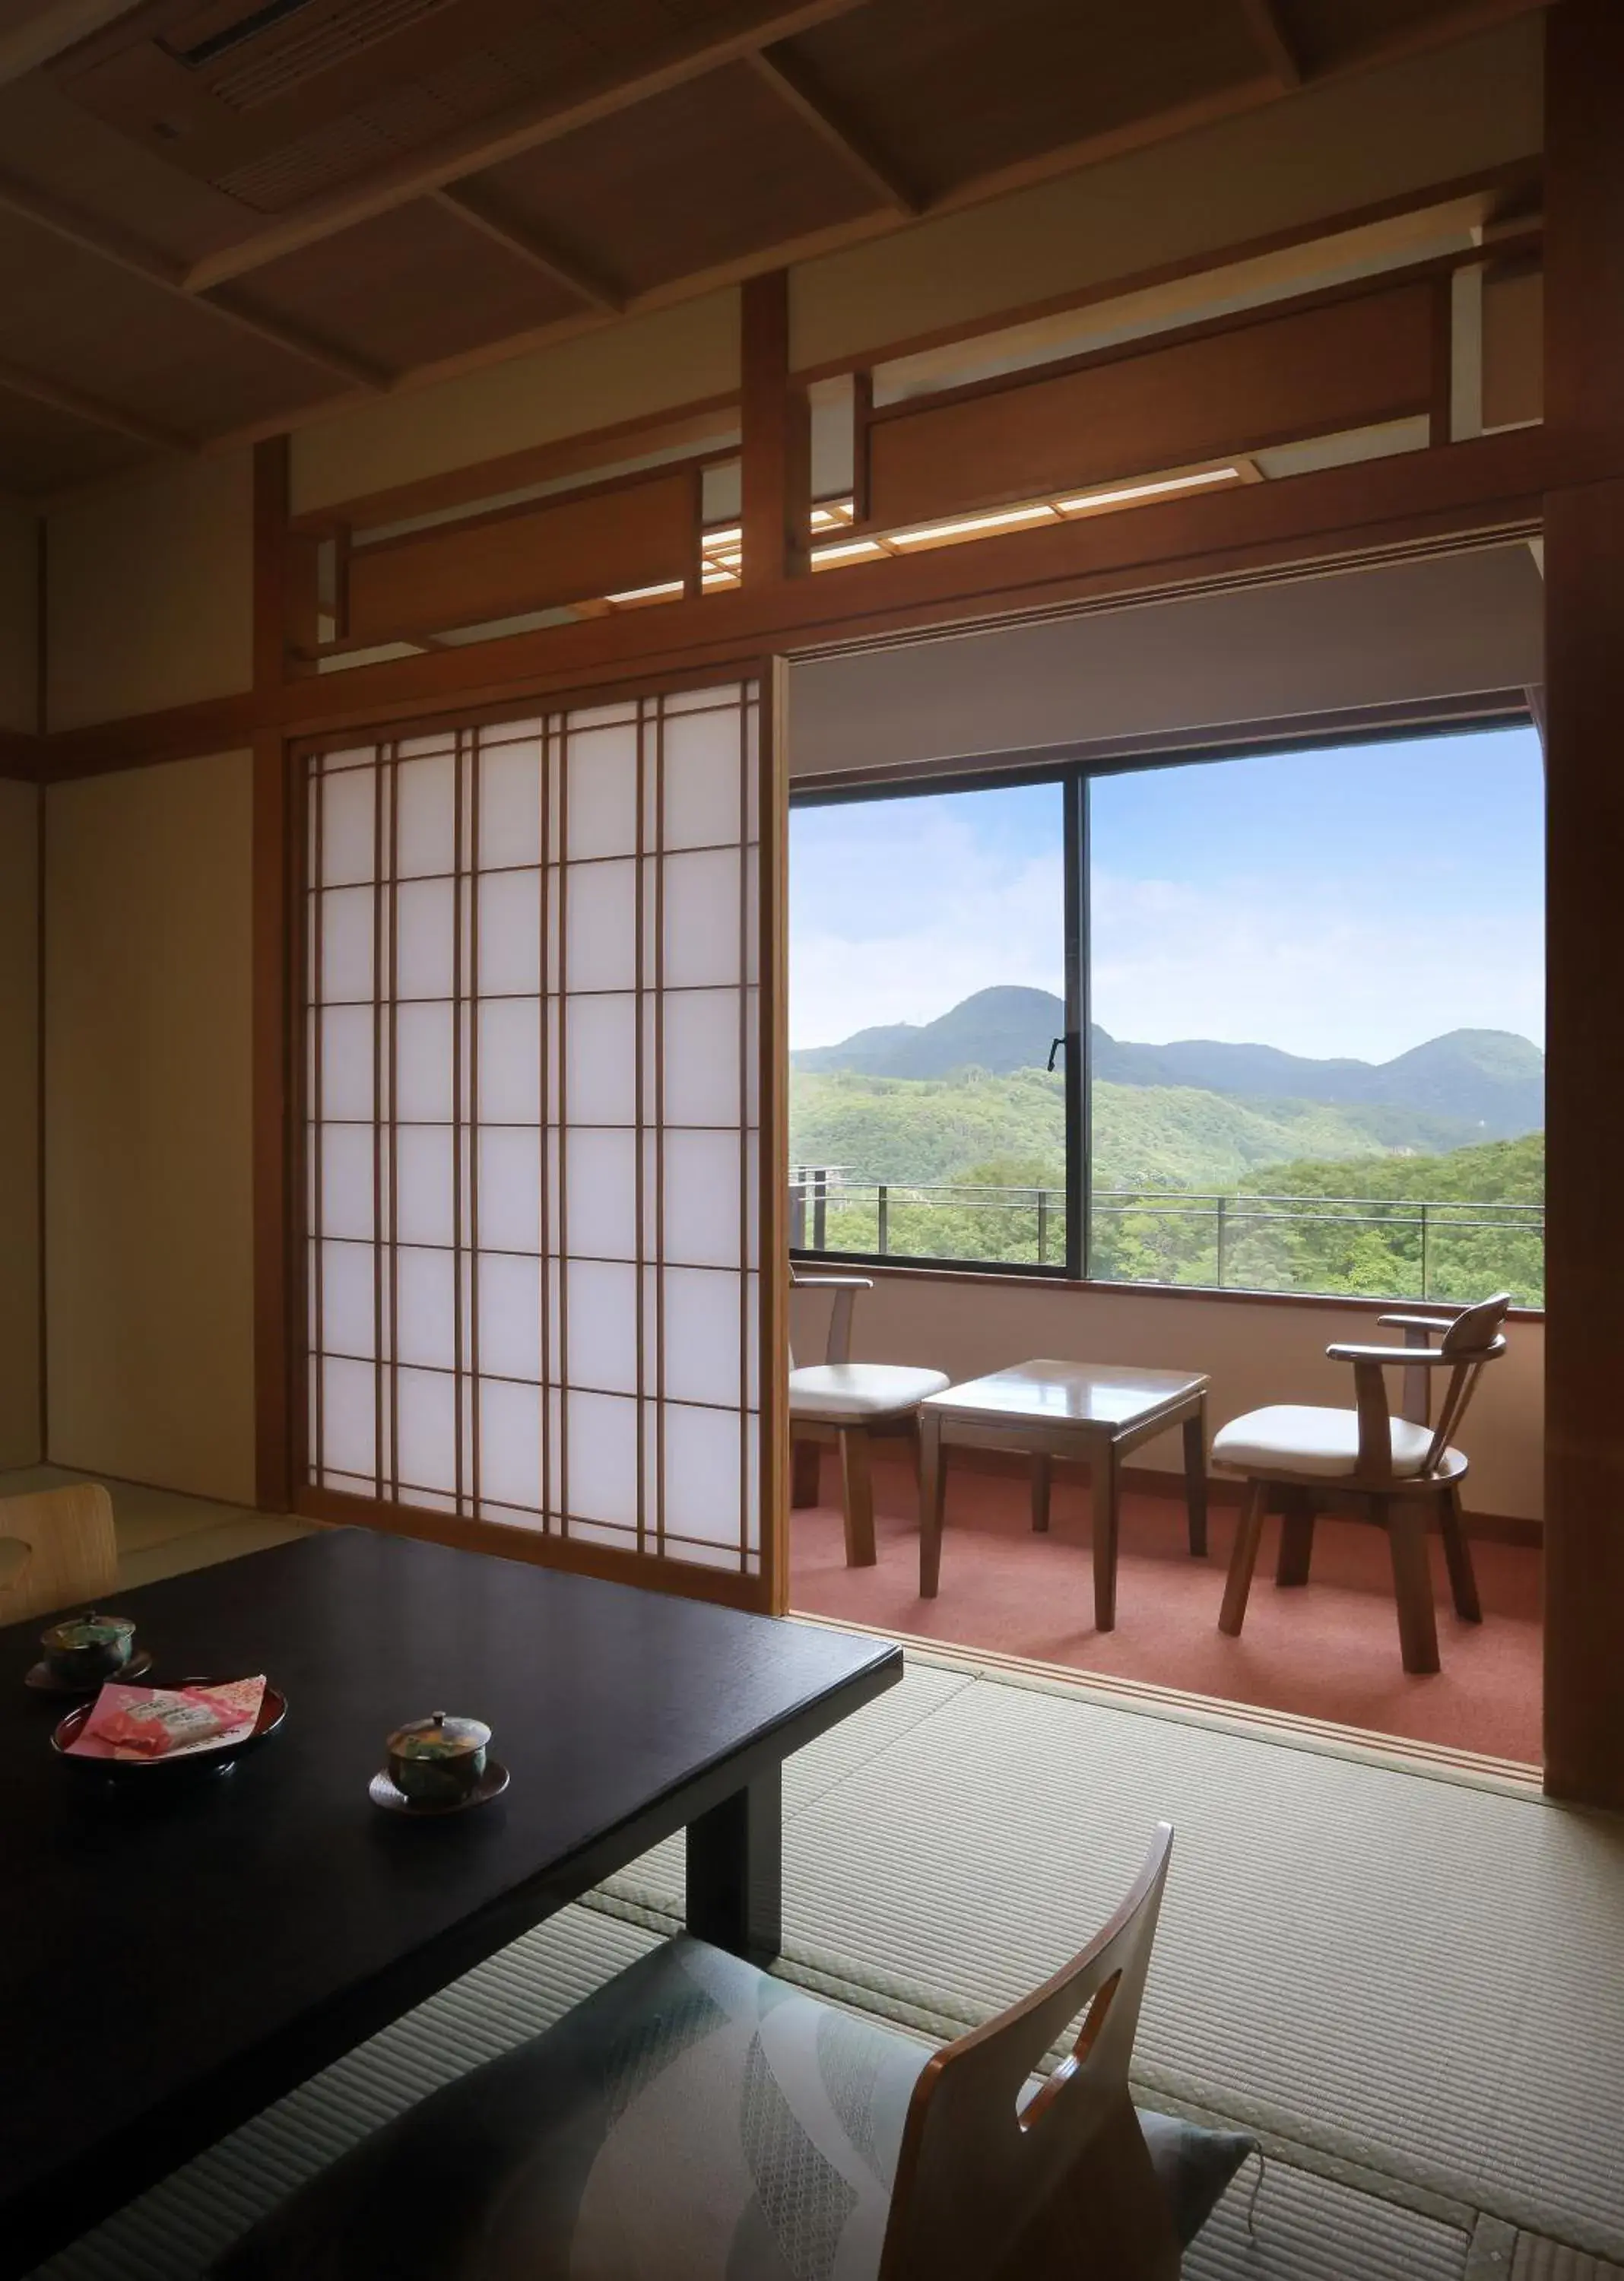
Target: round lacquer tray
146,1774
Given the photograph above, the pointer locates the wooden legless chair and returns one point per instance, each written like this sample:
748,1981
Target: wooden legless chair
996,2184
857,1399
1387,1469
71,1551
699,2119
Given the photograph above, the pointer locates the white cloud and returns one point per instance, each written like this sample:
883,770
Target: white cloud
893,929
1312,970
902,934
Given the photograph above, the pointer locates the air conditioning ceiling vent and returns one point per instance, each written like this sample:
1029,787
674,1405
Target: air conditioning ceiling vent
269,68
273,102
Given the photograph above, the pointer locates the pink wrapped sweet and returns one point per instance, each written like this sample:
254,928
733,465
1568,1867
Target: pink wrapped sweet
153,1721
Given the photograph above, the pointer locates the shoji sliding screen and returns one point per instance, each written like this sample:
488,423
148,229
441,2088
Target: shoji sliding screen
537,954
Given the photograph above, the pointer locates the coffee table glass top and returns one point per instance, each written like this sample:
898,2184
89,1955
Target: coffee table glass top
1069,1393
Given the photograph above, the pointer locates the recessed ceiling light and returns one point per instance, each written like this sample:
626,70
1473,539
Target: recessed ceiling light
971,522
1148,491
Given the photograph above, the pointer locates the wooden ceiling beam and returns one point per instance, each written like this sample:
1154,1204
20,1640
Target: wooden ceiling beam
17,380
526,241
788,77
689,54
359,371
692,54
108,242
1429,33
1274,43
1254,94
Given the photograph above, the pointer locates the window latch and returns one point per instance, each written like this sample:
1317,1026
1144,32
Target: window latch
1055,1046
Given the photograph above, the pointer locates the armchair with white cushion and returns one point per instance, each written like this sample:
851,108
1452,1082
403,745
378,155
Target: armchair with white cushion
856,1399
1384,1468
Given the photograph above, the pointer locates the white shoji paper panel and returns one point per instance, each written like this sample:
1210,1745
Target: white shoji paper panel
532,1089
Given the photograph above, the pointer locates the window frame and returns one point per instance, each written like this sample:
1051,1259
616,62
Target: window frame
1074,769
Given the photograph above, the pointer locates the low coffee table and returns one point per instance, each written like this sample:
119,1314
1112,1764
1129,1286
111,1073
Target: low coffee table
1097,1411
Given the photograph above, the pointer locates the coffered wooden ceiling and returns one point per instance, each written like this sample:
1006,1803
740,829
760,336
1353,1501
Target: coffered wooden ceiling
217,215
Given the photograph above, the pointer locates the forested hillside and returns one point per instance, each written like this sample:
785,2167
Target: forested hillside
925,1129
1211,1162
1483,1085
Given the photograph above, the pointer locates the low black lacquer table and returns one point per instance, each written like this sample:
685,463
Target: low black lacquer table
170,1965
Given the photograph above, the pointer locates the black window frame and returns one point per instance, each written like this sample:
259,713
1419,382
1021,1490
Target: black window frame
1074,769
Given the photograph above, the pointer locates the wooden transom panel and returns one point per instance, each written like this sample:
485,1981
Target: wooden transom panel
1348,363
528,559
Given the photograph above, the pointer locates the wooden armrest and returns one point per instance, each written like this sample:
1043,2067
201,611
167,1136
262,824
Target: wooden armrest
831,1282
1411,1357
1415,1322
1416,1358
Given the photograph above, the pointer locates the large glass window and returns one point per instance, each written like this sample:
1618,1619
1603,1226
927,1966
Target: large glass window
1312,1059
927,992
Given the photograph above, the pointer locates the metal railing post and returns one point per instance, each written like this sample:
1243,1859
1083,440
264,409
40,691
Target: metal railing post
1423,1262
1222,1204
798,1214
1043,1227
883,1218
820,1209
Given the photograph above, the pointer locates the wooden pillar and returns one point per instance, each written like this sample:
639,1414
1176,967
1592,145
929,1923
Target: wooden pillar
1584,725
777,439
273,950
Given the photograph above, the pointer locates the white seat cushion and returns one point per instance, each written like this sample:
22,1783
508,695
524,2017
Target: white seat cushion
837,1393
1323,1443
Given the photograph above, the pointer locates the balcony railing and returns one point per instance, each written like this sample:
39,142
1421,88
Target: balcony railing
1431,1247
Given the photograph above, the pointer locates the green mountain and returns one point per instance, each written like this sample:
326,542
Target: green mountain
1469,1085
926,1130
1003,1029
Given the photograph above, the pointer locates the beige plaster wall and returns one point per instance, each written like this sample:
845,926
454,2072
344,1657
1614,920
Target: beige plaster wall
150,592
1327,152
148,1206
1256,1353
20,1070
19,636
644,365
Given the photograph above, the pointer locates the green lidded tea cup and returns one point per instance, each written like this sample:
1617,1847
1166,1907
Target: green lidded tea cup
439,1761
81,1650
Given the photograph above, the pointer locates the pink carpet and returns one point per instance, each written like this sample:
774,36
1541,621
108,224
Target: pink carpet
1327,1651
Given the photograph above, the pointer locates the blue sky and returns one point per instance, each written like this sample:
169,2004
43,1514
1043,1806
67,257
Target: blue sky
1354,901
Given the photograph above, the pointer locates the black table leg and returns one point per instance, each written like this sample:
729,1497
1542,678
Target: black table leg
736,1871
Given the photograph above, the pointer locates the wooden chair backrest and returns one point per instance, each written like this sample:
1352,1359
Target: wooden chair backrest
989,2190
846,1288
1472,1339
1471,1342
72,1550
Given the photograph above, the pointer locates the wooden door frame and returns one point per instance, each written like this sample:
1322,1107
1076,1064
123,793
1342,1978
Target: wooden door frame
1491,487
281,840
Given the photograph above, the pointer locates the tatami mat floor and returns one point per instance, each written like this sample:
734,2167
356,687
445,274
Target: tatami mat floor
161,1532
1408,1984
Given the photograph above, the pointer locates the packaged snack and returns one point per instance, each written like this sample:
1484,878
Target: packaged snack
151,1722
